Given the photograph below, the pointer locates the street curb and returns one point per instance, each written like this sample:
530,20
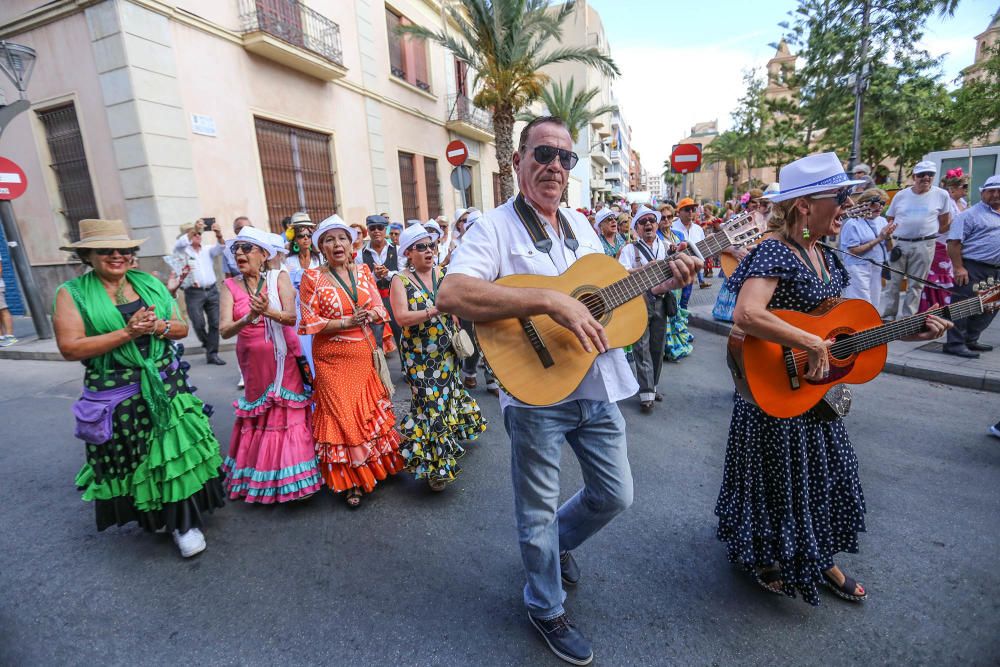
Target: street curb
894,367
38,355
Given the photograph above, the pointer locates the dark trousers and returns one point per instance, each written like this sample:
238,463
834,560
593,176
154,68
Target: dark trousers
648,352
967,330
470,364
203,311
378,329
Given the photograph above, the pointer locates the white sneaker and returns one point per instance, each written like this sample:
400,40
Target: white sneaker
7,341
190,543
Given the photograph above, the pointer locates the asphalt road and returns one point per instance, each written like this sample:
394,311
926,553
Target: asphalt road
419,579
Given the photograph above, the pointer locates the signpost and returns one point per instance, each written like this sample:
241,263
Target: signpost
684,159
461,176
13,183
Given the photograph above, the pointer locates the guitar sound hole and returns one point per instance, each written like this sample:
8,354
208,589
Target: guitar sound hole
593,302
841,352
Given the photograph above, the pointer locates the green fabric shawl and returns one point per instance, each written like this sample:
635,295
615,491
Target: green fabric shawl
100,316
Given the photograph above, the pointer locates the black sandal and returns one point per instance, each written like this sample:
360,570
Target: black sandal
353,498
765,576
846,591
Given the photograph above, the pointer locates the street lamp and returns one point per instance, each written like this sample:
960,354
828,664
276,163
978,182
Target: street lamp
17,63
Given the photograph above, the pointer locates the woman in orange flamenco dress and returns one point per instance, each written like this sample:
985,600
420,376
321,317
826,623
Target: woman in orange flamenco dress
356,442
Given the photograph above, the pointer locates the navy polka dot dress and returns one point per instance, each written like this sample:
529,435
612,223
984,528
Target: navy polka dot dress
790,492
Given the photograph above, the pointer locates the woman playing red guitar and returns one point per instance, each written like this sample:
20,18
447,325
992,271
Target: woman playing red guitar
791,498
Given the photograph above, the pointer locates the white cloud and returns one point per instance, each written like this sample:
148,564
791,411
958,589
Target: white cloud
664,91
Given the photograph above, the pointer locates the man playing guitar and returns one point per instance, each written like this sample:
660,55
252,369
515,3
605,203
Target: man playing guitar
530,234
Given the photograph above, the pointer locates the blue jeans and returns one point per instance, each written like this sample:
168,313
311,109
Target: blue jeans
596,432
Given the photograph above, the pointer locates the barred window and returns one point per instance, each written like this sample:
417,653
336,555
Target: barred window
69,162
297,171
408,185
432,187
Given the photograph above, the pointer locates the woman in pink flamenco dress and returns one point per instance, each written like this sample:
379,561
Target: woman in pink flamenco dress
272,454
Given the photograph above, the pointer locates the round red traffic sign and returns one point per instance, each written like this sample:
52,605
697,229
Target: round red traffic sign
685,158
13,182
457,153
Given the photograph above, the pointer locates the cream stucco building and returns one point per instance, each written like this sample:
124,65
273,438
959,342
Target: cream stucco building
163,111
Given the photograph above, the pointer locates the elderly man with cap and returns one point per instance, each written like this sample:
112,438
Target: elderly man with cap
692,233
921,212
863,172
380,257
648,351
974,248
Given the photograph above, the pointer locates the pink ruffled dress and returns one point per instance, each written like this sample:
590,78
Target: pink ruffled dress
272,453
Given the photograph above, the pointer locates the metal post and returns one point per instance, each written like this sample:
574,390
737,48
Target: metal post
19,256
684,185
859,90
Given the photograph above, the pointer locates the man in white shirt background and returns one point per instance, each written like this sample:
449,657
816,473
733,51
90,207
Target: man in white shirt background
499,245
921,212
201,294
691,232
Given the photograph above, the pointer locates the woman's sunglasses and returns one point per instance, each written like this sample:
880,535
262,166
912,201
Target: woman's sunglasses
422,247
546,154
124,252
840,195
245,248
306,235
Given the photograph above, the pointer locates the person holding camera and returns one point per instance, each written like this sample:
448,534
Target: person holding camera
201,295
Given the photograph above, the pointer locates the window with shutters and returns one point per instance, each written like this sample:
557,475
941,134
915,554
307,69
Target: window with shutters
407,54
497,197
432,187
408,185
69,163
297,171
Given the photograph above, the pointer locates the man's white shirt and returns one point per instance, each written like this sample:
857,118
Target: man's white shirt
201,261
499,245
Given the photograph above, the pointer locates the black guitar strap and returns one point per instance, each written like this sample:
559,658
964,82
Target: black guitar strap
537,229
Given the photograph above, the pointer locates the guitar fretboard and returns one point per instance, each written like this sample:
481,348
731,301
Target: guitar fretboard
652,274
908,326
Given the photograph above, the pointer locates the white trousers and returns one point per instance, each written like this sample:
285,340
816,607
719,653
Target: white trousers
866,283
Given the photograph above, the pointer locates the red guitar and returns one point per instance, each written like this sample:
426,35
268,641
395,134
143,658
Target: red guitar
770,375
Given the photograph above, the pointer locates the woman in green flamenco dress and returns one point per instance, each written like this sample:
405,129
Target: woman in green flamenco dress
151,454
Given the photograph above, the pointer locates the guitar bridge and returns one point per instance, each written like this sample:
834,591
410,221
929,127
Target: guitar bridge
537,343
791,368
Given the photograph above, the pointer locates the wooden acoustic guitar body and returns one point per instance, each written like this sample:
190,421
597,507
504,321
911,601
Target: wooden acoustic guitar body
524,371
759,366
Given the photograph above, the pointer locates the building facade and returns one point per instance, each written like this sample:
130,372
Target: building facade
161,112
620,145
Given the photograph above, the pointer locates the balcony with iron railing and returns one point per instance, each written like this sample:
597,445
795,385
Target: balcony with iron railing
467,119
290,33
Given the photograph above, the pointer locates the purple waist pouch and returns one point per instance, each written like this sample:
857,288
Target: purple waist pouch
94,410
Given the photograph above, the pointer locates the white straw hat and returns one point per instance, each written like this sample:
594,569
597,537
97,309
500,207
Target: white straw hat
257,237
411,235
812,174
642,212
333,222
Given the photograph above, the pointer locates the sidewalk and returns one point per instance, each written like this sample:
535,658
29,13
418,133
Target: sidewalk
30,347
920,360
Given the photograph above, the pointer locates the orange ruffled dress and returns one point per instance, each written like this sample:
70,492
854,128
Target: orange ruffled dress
356,442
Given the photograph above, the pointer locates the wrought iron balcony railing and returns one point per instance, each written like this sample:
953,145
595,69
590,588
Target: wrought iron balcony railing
293,22
462,109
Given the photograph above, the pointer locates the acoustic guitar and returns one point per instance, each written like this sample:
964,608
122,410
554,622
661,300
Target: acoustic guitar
770,375
539,362
729,263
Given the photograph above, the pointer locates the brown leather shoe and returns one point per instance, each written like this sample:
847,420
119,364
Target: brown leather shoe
469,383
659,397
646,407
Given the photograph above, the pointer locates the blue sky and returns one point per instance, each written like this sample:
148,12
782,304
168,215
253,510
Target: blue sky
675,74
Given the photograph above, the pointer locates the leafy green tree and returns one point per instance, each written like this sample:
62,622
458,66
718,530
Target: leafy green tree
726,148
976,113
507,43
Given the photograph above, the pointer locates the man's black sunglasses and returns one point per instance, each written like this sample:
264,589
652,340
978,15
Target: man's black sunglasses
124,252
546,154
376,228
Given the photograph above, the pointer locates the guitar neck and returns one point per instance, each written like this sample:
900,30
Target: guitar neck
908,326
656,272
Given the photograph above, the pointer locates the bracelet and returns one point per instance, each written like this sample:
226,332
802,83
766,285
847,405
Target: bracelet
166,329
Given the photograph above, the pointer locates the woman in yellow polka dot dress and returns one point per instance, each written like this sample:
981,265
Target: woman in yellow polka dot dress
442,413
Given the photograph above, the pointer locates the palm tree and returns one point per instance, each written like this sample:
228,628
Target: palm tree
572,108
506,43
670,178
727,147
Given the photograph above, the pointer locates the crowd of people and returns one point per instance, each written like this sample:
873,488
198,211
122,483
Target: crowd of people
315,312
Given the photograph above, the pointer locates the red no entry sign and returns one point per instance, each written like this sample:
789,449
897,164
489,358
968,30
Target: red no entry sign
13,182
685,158
457,153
